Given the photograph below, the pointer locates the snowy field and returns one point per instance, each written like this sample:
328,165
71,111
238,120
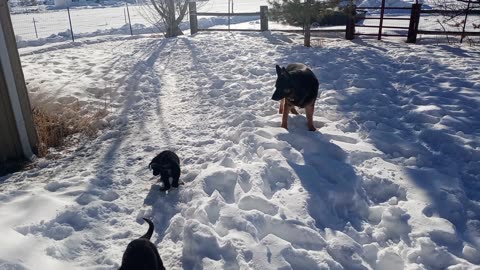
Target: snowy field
389,181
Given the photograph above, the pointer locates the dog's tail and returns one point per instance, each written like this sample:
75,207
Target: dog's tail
149,233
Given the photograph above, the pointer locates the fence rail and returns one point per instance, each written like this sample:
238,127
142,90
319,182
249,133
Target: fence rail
449,12
76,23
194,19
414,21
228,14
453,33
410,29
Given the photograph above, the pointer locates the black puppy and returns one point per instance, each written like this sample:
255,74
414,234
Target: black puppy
141,254
296,85
167,164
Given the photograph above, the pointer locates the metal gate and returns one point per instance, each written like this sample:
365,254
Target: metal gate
380,22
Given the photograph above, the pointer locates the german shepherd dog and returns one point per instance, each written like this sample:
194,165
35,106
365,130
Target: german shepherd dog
296,85
167,164
141,254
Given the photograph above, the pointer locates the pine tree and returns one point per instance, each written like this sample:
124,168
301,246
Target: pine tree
296,12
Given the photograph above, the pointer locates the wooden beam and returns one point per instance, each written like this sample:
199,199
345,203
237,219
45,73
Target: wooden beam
26,131
228,14
453,33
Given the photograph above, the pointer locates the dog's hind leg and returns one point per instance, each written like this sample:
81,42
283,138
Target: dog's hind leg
282,103
293,110
309,109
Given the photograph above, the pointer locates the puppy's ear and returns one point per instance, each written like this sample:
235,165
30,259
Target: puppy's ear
285,73
279,70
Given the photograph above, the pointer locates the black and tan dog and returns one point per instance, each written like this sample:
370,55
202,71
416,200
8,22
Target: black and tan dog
296,85
141,254
167,164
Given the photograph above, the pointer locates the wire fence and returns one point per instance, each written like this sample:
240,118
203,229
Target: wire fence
44,24
57,25
443,28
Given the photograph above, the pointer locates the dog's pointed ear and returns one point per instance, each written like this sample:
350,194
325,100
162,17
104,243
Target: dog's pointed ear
285,73
279,70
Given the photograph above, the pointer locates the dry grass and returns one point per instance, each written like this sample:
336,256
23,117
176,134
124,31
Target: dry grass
54,128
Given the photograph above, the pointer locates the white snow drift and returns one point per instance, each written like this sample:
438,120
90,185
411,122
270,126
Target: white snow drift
389,181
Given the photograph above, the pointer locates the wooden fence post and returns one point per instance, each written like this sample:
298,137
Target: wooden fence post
350,29
306,28
192,7
263,18
18,137
414,21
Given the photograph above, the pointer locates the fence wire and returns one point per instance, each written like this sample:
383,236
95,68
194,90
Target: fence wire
47,25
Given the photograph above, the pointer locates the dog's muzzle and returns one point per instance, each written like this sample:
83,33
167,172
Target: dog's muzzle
156,168
278,95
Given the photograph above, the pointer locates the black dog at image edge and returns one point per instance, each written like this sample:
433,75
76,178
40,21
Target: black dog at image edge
296,85
141,254
167,165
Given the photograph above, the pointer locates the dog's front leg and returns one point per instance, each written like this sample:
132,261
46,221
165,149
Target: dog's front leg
166,183
282,103
176,176
309,109
286,110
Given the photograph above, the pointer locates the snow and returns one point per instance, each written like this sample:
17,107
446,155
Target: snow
389,180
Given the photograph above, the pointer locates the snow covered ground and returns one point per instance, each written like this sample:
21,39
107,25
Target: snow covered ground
389,181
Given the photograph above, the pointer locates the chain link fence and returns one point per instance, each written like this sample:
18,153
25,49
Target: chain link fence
45,26
38,25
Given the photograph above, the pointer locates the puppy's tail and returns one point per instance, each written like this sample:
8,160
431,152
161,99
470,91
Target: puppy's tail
149,233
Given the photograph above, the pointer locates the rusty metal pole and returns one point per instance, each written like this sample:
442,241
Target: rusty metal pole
465,21
129,21
382,12
306,31
350,27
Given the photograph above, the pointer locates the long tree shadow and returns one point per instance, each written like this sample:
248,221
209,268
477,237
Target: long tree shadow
336,197
164,207
146,63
